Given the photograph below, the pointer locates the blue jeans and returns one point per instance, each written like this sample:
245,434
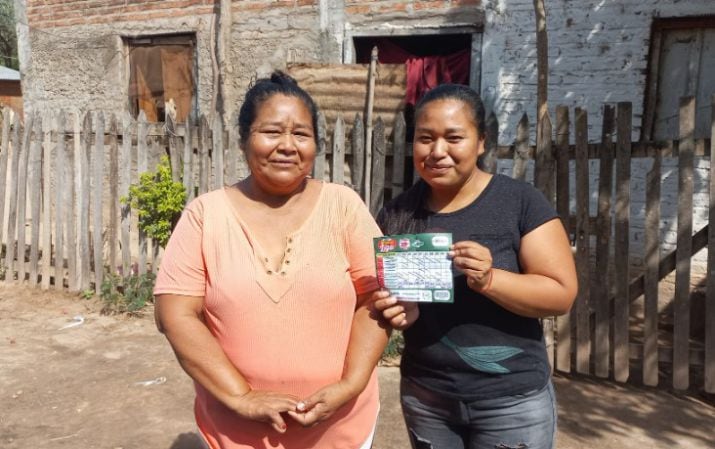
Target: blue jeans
512,422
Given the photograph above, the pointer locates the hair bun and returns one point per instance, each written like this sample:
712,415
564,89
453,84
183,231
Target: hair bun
282,78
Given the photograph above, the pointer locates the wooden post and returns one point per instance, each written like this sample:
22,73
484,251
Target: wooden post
218,152
563,323
47,177
142,166
681,304
113,195
22,200
338,162
174,152
372,74
204,162
521,148
583,322
399,130
602,281
357,143
125,176
378,167
83,204
188,159
710,286
34,187
12,242
70,199
652,261
622,243
61,182
4,150
97,185
319,164
544,163
233,153
489,159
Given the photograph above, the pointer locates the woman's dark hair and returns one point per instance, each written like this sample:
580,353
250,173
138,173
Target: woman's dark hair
465,94
406,214
265,88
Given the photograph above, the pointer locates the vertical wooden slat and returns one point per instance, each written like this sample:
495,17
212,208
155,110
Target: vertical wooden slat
521,148
61,182
232,151
204,162
543,165
22,199
563,323
217,152
489,159
622,245
34,191
125,176
357,143
601,291
338,160
71,200
242,170
97,187
378,167
188,159
142,166
652,260
710,283
4,151
113,207
83,209
398,154
319,164
46,181
174,151
17,149
681,305
583,322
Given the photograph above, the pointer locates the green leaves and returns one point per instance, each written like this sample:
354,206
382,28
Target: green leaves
158,201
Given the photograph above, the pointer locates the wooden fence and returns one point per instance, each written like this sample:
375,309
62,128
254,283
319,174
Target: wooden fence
61,180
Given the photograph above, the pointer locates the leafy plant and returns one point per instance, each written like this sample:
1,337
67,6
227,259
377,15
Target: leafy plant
393,350
158,201
128,294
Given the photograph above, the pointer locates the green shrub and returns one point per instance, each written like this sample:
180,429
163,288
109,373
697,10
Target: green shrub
394,348
126,295
158,201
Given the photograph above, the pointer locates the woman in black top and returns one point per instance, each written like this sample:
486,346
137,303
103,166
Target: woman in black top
475,373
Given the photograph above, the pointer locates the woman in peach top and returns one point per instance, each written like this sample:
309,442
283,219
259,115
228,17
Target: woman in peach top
264,292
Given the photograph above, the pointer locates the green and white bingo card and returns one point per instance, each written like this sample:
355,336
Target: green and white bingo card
415,267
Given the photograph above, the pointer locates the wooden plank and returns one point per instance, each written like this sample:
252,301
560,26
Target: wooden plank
378,167
563,323
83,209
319,166
622,246
60,187
522,152
242,169
34,193
97,206
583,323
27,144
113,206
125,176
7,114
357,146
217,152
142,166
188,159
174,147
46,181
399,131
681,304
601,293
544,163
338,160
204,162
710,285
71,200
652,261
233,150
12,228
491,142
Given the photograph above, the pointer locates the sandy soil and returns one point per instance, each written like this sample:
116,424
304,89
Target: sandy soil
112,382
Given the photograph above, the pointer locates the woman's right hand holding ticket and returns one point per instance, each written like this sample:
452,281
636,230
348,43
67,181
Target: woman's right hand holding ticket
400,314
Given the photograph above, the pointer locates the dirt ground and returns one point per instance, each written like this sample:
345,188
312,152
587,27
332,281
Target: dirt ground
112,382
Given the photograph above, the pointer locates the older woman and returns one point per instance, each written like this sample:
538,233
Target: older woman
264,292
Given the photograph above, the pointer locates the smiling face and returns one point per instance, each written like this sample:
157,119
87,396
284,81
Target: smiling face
447,144
280,148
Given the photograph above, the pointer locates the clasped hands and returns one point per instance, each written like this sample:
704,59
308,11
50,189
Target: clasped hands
266,406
